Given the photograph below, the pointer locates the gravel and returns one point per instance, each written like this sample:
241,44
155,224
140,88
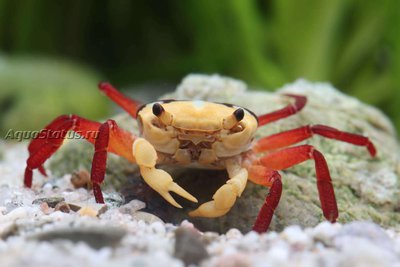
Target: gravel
33,233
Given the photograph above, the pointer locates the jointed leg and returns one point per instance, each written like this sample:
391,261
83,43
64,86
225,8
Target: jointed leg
40,140
52,137
110,138
293,136
289,157
271,202
300,102
45,144
226,195
128,104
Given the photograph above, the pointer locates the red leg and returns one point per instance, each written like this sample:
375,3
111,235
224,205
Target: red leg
289,157
293,136
40,140
300,102
100,159
51,138
45,144
110,139
128,104
271,202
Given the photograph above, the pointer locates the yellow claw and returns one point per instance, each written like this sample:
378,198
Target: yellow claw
226,195
174,187
209,210
223,201
159,180
162,182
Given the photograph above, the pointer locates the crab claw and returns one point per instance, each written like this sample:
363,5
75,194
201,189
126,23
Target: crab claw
223,201
159,180
162,182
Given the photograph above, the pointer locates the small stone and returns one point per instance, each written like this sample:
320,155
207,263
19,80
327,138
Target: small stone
81,179
296,236
15,214
44,207
113,199
368,231
146,217
188,246
325,232
234,260
7,230
93,210
209,237
234,234
51,201
74,206
132,207
158,227
95,236
63,207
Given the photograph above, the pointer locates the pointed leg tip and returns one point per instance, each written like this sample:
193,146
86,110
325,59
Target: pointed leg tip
192,198
176,205
102,85
371,149
167,196
42,170
174,187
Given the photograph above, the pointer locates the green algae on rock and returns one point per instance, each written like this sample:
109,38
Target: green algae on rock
366,188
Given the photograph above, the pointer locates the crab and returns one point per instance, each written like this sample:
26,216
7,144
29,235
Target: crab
199,134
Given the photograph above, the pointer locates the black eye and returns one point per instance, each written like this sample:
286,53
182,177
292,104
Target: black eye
239,114
157,109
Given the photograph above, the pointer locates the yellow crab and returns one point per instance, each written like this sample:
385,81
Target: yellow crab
201,134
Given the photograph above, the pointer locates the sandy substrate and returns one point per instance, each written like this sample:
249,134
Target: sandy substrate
35,231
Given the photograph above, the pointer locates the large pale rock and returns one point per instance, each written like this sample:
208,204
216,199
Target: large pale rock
366,188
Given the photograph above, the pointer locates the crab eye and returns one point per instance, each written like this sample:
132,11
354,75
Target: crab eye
233,120
157,109
164,116
239,114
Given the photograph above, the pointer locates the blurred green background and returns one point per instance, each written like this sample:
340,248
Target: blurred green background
53,53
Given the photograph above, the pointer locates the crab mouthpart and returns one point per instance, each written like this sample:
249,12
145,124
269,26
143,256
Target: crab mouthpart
197,139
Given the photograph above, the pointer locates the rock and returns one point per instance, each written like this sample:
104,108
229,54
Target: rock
188,246
366,188
92,210
81,179
96,237
51,201
63,207
146,217
132,207
234,260
8,230
365,230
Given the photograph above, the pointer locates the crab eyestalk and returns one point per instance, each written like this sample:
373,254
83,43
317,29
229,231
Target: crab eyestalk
164,116
233,119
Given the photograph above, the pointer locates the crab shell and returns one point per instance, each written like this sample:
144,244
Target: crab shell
196,132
